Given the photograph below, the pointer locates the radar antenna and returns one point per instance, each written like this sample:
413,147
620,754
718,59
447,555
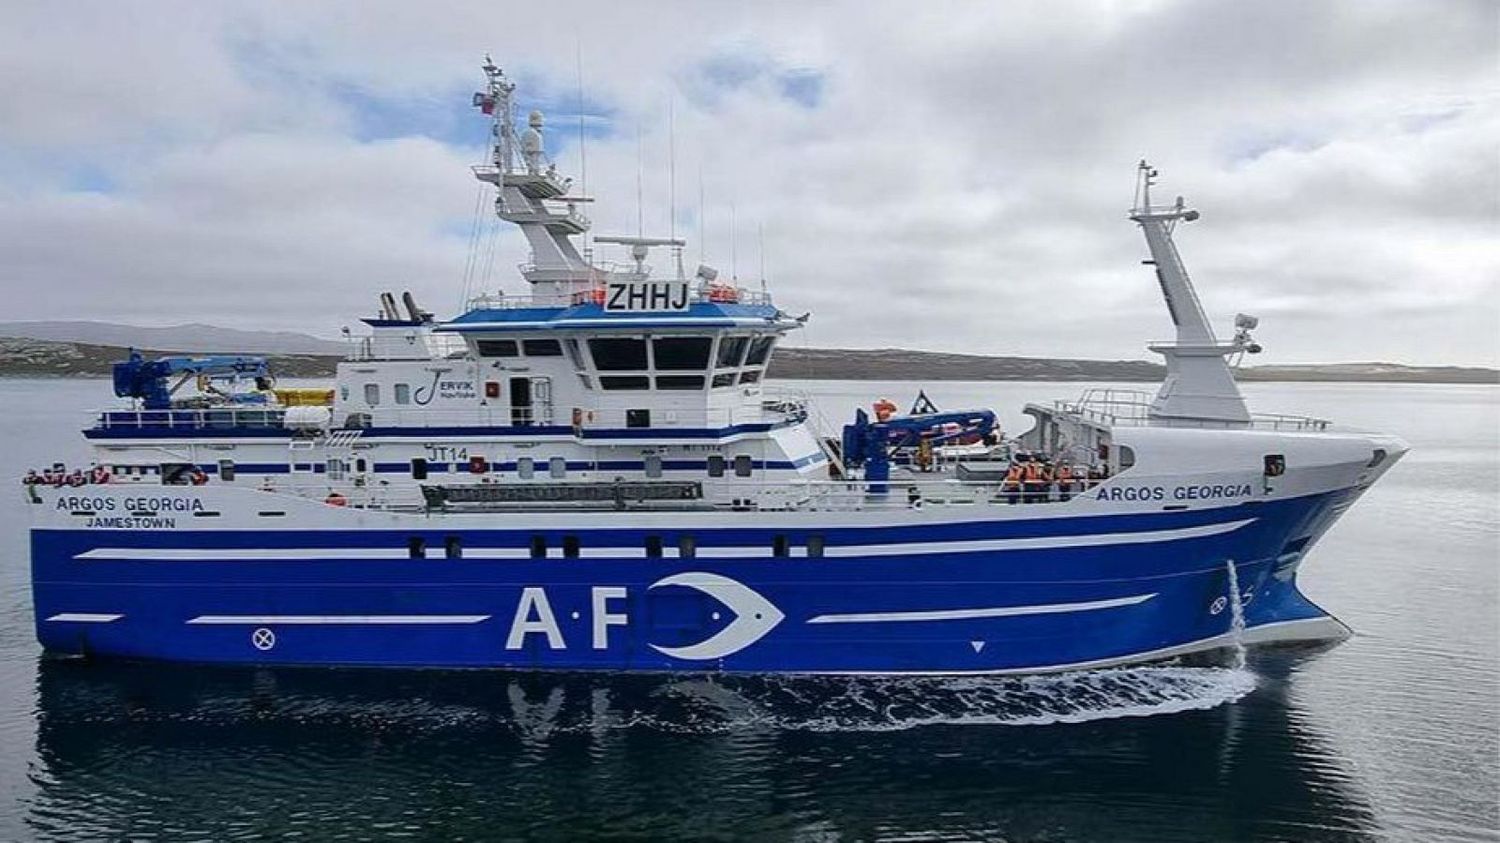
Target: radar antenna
1199,384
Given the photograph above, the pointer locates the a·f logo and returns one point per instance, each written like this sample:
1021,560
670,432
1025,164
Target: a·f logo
754,616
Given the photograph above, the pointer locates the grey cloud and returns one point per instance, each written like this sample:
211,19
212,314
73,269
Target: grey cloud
961,184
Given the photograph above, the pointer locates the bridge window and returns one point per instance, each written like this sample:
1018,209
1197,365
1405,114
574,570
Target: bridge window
498,348
618,382
570,547
723,380
731,352
715,465
618,354
760,349
541,348
743,465
403,393
418,468
676,354
372,394
751,376
679,382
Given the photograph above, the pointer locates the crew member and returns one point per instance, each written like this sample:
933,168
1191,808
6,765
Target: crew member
1011,488
1031,480
1064,482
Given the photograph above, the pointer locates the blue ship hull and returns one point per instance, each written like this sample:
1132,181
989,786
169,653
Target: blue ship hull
983,596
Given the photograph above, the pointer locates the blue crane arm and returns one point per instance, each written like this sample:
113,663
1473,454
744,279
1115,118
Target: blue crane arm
146,380
869,444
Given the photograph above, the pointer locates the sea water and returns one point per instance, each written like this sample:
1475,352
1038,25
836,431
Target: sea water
1391,735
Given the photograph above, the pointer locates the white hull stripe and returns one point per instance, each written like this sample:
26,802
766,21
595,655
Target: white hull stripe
991,612
335,620
1040,542
147,554
83,617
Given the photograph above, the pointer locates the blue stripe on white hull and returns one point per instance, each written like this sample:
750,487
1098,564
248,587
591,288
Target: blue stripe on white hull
968,597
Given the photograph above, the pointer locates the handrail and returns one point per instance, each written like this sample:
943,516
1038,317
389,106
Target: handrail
730,493
1131,407
207,418
714,294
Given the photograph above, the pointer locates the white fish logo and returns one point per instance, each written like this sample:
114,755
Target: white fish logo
754,616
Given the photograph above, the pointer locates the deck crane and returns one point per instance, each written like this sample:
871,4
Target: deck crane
147,380
870,444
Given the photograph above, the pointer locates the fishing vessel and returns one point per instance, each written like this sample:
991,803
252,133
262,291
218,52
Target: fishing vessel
598,476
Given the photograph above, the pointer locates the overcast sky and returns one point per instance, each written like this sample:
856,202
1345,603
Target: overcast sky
944,176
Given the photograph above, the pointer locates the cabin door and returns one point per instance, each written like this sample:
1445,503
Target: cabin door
520,402
541,400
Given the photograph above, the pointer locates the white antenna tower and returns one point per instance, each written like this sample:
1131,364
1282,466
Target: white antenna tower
702,217
734,254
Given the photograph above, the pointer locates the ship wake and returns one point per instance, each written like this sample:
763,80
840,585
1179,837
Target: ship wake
878,704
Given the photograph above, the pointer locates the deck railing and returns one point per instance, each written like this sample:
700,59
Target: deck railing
1133,407
204,419
713,294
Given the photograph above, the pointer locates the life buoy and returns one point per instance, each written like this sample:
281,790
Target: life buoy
100,474
198,478
336,499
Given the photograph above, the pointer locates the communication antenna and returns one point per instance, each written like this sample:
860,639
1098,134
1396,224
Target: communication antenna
702,216
583,149
640,154
672,178
760,236
734,253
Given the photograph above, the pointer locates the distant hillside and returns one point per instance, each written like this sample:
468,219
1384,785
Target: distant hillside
26,357
195,338
29,358
900,364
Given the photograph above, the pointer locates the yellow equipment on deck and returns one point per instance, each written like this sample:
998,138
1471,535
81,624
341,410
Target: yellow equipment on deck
304,397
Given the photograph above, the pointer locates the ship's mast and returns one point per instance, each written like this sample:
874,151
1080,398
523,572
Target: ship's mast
532,194
1199,385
